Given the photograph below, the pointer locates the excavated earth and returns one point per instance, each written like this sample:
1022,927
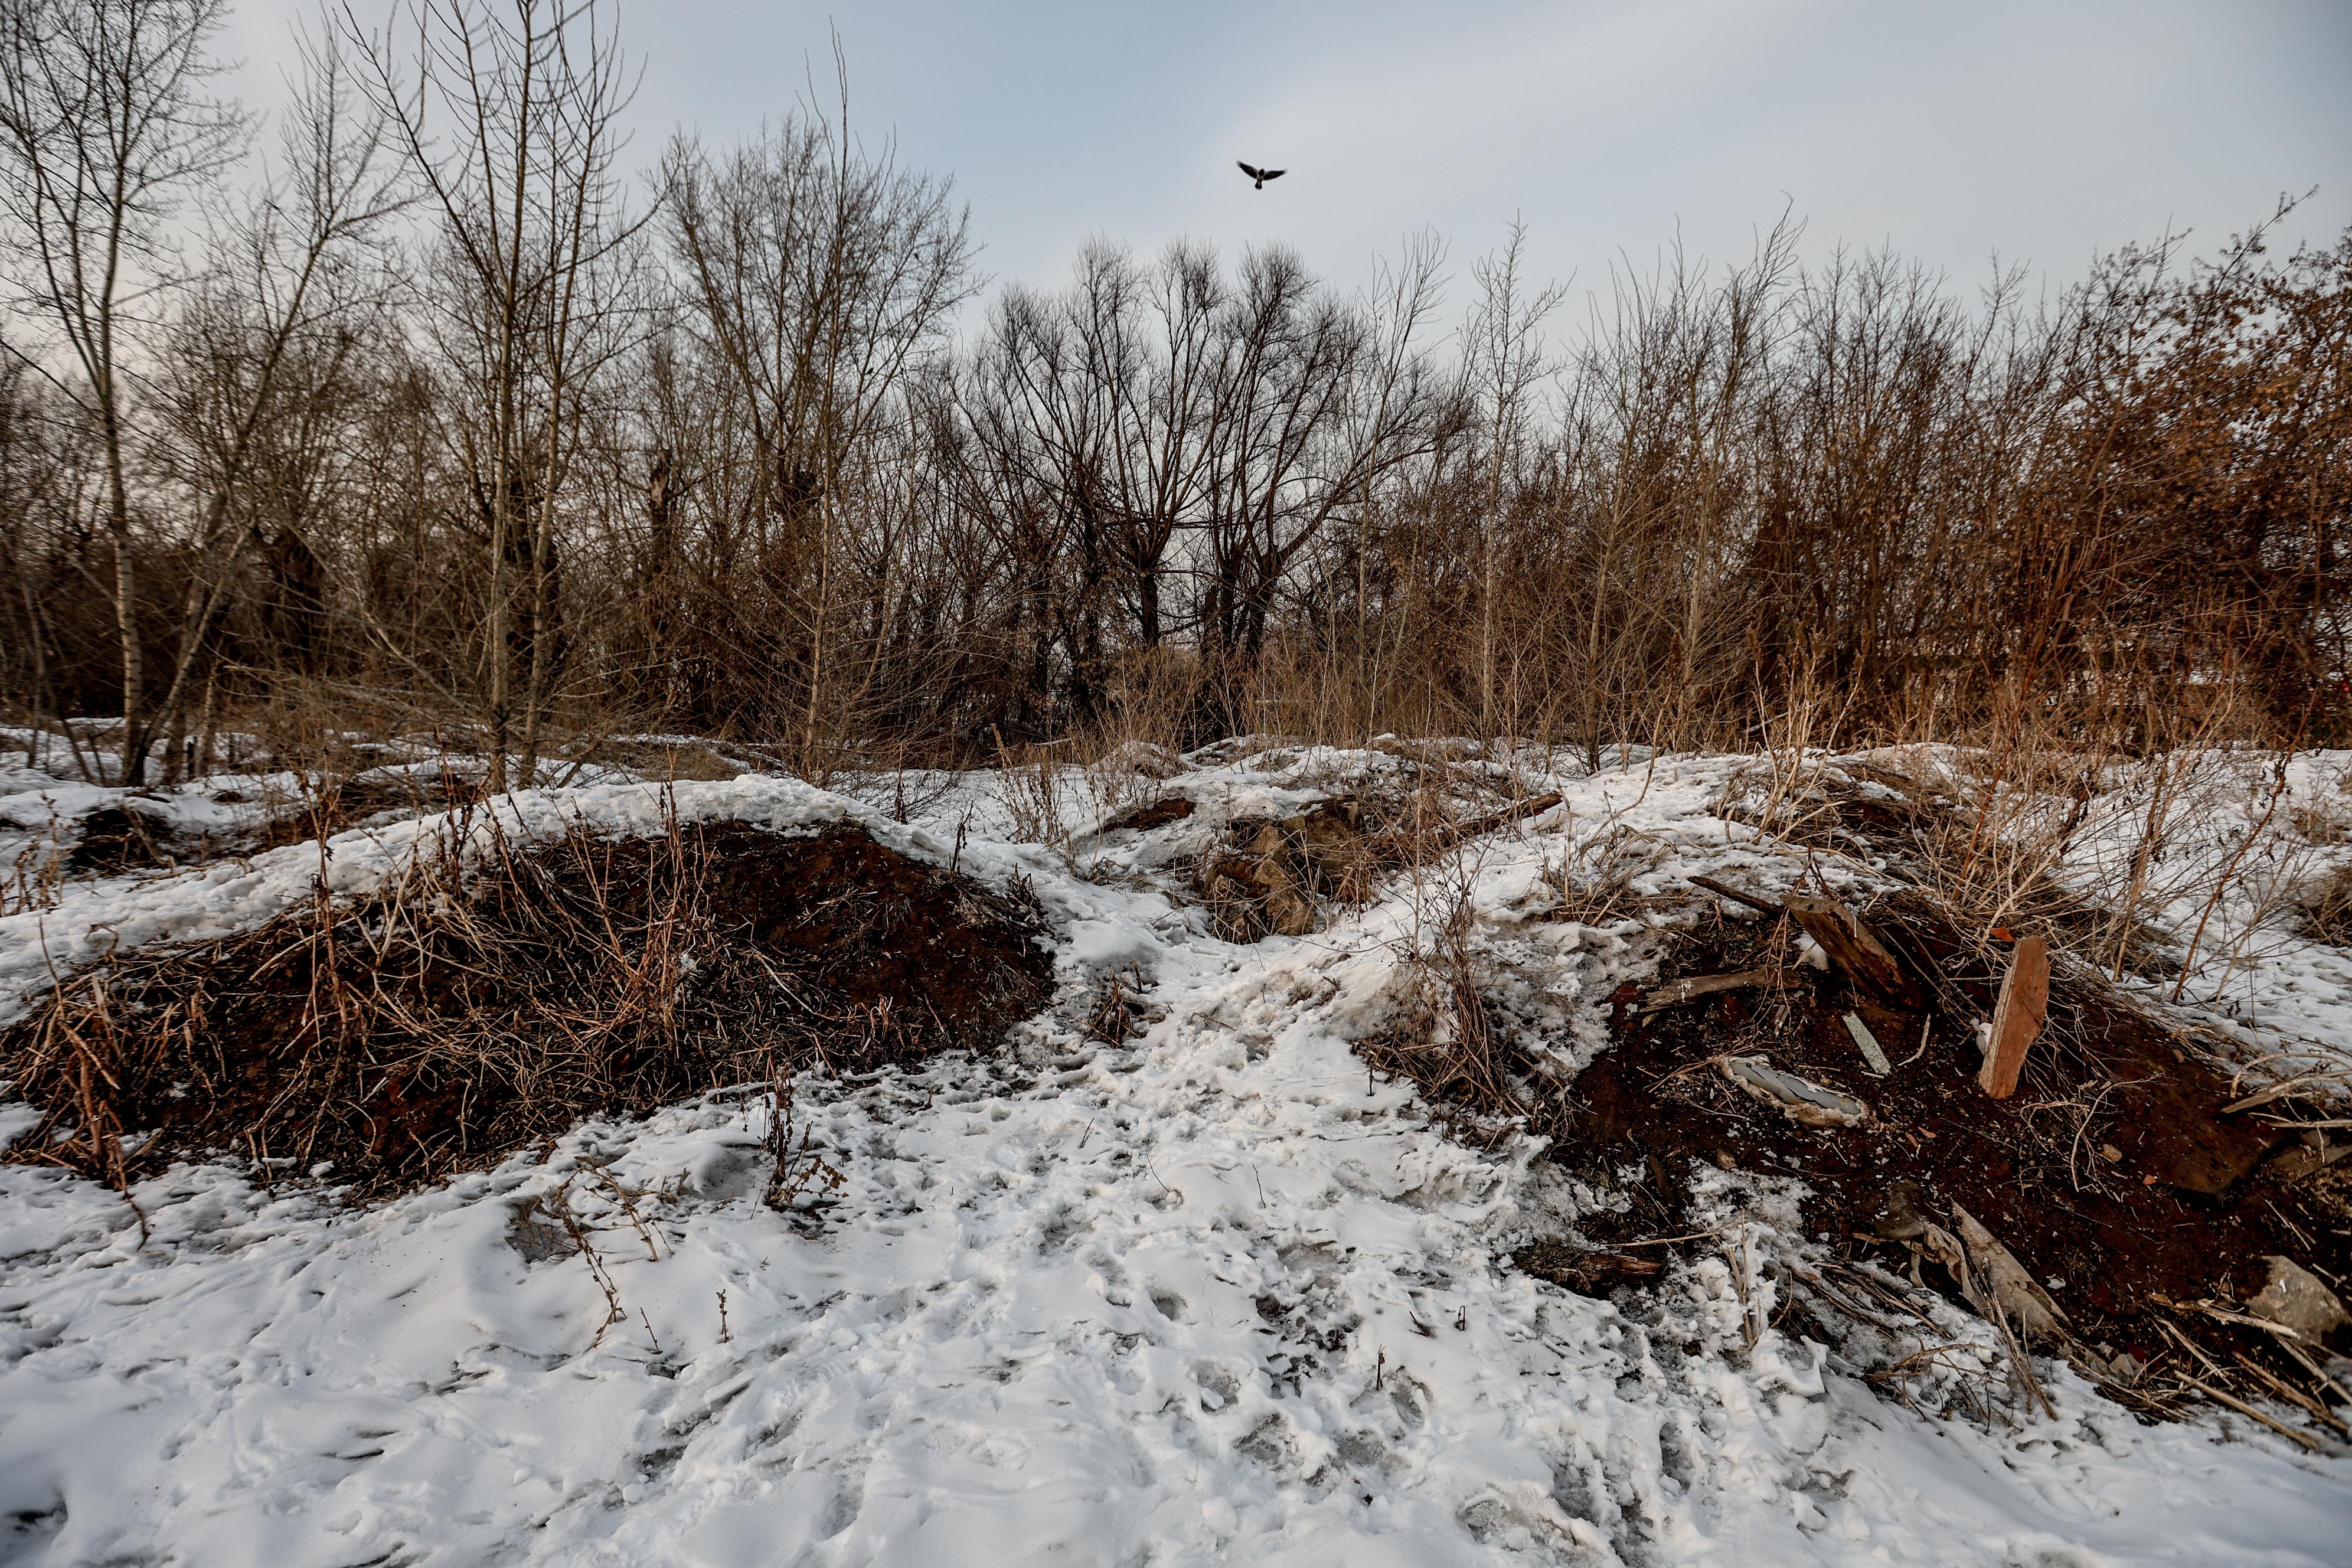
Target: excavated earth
2113,1173
439,1025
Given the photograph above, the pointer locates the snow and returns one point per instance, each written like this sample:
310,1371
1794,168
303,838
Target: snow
1208,1296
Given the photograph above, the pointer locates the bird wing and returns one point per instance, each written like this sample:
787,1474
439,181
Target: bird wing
1271,174
1246,169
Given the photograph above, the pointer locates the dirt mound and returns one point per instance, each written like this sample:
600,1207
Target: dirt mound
128,836
468,1010
1273,876
136,834
2113,1175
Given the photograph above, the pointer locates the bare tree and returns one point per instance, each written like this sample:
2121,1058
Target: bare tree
106,122
817,274
510,120
527,463
275,313
1504,360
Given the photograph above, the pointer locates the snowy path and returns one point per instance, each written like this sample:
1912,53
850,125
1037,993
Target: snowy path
1205,1298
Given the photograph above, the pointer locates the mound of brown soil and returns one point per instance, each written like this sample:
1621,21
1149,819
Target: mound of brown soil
2112,1174
464,1012
127,837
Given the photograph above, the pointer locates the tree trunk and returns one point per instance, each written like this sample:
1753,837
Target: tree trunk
126,604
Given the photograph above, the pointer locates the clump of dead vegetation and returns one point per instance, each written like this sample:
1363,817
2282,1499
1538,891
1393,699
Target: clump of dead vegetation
1406,823
474,1004
1444,1031
2325,904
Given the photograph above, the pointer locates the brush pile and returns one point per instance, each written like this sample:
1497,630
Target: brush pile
468,1008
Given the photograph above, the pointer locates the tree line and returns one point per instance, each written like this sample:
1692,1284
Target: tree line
439,407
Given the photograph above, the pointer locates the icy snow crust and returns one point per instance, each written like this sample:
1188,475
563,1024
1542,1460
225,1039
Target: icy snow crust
1206,1296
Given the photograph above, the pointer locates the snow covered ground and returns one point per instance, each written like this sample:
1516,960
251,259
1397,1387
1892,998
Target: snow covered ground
1207,1296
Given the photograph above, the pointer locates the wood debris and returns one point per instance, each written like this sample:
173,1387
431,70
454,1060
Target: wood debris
2017,1018
1992,1280
1872,1052
1855,949
1674,993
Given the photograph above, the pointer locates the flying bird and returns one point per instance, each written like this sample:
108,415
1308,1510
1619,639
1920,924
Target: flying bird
1259,175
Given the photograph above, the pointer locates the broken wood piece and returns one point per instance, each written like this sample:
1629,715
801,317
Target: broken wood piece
1871,1052
1801,1100
1737,896
1992,1280
1444,838
1583,1268
2301,1160
1674,993
2294,1086
2017,1018
1852,947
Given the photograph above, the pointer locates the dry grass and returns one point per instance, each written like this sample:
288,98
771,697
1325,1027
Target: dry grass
1443,1033
1593,881
2326,902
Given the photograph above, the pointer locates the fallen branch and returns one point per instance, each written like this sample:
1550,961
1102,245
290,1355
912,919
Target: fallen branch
1737,896
1673,993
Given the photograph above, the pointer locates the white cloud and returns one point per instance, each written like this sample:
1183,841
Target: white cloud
2049,133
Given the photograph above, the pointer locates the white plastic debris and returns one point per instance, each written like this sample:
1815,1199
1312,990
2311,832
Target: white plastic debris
1871,1052
1800,1100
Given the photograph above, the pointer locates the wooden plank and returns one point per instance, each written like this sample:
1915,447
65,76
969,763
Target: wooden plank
1674,993
2017,1018
1853,948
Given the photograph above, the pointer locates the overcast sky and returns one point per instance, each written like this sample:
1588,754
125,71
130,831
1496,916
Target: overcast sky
2046,131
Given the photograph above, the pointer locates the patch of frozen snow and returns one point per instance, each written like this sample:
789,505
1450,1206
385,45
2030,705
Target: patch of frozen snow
1205,1297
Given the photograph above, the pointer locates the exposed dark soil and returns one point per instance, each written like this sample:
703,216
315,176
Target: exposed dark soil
468,1012
132,836
2111,1174
125,837
1143,818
